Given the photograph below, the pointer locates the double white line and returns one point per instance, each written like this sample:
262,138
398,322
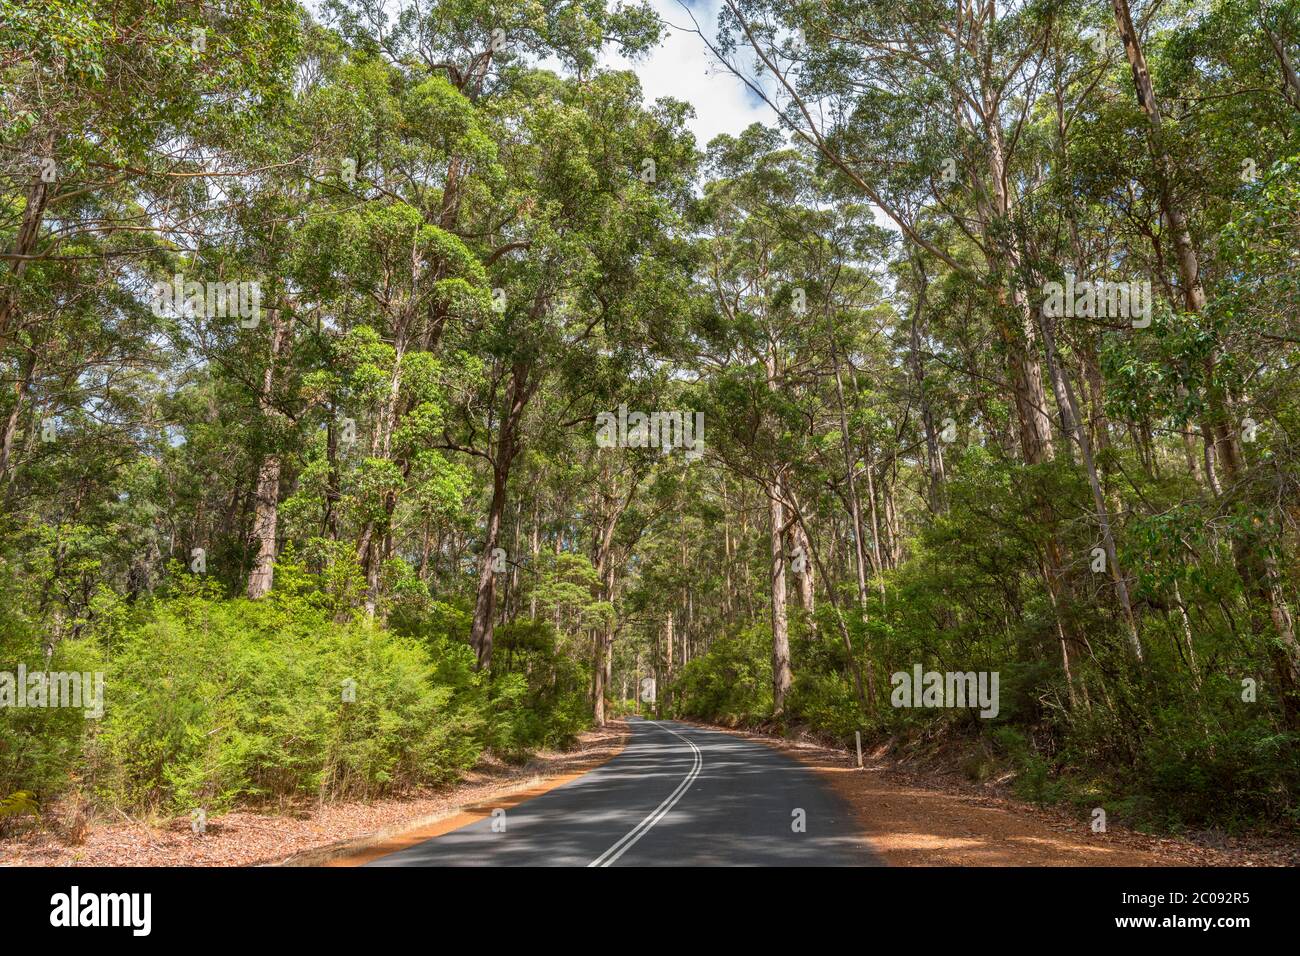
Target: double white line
658,813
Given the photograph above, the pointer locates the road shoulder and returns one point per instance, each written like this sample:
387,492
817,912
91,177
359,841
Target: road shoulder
309,835
912,818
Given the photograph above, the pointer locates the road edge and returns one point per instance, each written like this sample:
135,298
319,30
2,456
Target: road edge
1160,852
357,851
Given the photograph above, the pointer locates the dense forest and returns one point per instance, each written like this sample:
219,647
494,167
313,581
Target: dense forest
387,384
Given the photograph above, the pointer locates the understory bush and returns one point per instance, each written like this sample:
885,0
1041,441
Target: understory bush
213,702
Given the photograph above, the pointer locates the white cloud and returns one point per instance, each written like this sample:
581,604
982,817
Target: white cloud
683,68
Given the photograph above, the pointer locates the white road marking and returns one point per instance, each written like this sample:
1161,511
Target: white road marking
659,812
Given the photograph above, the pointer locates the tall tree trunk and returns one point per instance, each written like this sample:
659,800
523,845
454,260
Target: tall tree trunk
38,197
480,634
781,674
662,700
1065,400
521,390
891,514
1290,81
933,450
728,585
535,549
598,677
877,559
855,505
802,568
611,510
22,388
1015,319
266,513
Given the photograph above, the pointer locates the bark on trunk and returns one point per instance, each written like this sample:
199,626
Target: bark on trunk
802,568
602,658
266,512
933,450
521,390
781,675
38,197
855,505
480,635
21,389
1065,400
1290,81
662,693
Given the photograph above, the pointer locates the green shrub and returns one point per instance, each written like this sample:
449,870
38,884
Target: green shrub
538,695
210,702
826,702
1231,777
731,682
40,746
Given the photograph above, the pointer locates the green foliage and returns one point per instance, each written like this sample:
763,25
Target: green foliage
211,702
40,747
538,695
731,682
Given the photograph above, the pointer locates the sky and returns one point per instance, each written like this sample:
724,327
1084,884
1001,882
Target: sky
681,67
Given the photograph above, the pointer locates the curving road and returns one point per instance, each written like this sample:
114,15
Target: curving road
676,796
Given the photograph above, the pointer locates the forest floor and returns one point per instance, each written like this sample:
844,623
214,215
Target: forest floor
307,831
927,816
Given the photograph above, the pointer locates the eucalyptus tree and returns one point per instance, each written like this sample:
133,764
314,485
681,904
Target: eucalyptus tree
921,108
109,126
1253,551
926,111
763,346
593,180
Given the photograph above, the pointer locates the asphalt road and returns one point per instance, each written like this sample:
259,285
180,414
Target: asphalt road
676,796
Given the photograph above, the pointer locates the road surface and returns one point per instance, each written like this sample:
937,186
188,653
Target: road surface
676,796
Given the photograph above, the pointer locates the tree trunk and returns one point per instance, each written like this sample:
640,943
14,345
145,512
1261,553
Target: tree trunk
855,505
266,513
21,389
480,634
1015,321
38,196
933,450
781,676
1290,81
803,570
1065,400
662,692
602,658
